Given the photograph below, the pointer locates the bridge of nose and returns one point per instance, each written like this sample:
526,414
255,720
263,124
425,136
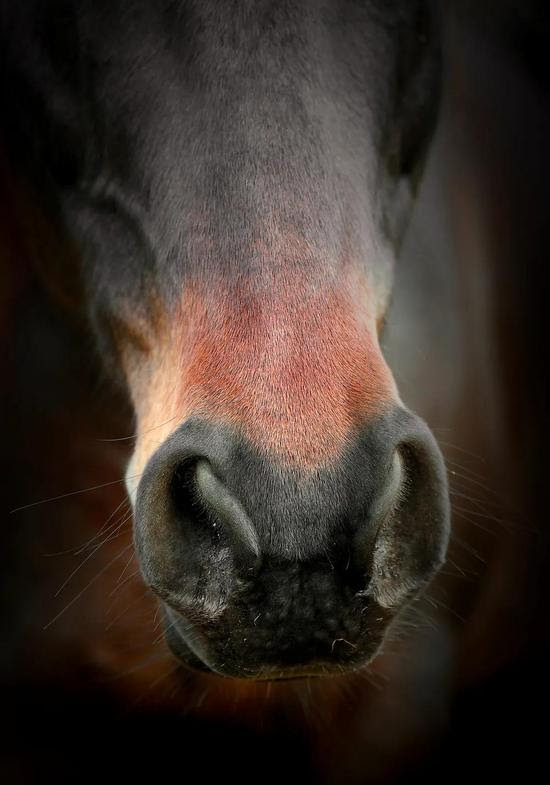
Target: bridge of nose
293,370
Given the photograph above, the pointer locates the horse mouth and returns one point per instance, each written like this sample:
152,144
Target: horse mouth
228,649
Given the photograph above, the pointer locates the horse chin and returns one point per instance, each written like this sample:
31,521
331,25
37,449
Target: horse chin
190,661
184,653
201,663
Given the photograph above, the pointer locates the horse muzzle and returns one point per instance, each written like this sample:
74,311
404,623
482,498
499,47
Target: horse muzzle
268,571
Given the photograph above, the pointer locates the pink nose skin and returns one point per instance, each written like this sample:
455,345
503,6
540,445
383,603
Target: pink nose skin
294,371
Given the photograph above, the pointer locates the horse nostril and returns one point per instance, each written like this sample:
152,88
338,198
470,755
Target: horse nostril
412,536
184,497
382,508
229,511
200,500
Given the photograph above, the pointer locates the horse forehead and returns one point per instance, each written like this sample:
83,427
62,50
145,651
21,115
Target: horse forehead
228,116
175,62
217,31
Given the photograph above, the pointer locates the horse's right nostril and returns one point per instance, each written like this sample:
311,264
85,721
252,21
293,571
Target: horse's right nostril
206,511
218,500
196,542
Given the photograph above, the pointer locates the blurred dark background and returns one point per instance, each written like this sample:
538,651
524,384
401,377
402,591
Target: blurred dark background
462,687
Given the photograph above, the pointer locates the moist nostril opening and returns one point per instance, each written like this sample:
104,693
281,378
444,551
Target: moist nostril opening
382,507
412,541
203,505
185,498
393,489
232,516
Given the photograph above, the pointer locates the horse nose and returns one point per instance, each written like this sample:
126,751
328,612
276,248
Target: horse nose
262,567
227,509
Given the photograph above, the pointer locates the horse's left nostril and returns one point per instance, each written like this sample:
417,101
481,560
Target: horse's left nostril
382,508
413,530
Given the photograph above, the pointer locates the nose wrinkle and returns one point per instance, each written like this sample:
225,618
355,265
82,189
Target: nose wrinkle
230,511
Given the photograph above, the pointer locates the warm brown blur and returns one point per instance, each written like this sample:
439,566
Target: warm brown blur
88,685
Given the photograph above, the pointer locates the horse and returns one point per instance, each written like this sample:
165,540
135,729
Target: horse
225,189
236,179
